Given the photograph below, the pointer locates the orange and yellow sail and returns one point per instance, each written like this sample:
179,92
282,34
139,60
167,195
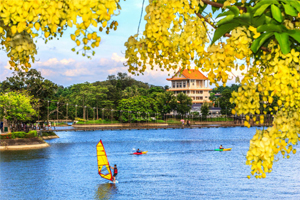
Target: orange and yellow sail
103,164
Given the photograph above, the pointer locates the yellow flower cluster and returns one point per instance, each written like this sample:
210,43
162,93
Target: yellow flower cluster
173,36
266,144
271,86
49,19
219,59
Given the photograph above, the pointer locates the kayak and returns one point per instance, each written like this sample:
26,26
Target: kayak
143,152
229,149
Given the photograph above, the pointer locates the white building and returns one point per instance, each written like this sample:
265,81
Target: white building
193,83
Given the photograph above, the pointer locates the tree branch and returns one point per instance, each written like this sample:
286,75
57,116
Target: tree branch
206,20
227,34
219,5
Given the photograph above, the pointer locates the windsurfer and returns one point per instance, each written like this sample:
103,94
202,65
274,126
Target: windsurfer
115,172
221,147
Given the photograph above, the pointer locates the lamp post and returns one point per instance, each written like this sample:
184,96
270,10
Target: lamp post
86,114
57,112
75,112
111,115
48,113
121,116
103,115
67,114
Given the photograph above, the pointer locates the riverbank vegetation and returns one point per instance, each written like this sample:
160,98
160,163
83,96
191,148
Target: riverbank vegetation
120,98
19,134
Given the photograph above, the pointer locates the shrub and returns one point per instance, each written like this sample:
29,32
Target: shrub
79,119
33,133
19,134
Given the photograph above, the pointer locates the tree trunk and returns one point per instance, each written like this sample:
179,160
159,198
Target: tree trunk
83,108
97,114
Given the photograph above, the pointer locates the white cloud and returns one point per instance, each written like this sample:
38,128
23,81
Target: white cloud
118,58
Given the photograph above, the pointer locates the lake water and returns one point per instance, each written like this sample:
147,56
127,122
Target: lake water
180,164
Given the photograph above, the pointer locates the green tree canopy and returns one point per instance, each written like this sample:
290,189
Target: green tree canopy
166,102
204,109
17,107
140,107
184,104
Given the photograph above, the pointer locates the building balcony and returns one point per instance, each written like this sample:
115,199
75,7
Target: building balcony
188,88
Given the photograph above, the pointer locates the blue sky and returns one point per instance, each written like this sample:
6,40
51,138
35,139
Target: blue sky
59,64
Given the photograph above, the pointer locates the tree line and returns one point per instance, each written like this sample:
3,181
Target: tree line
29,97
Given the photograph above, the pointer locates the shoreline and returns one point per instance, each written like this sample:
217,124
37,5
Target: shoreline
24,147
25,143
50,137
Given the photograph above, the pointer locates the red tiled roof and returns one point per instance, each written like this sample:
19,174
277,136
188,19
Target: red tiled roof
189,74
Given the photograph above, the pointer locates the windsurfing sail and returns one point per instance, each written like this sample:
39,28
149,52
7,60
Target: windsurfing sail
103,164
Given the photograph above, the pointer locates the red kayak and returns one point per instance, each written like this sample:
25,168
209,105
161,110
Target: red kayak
143,152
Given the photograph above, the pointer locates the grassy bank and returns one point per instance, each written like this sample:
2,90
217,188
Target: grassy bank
22,134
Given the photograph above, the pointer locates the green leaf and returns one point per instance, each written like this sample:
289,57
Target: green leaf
283,40
234,9
227,19
263,2
260,40
257,21
271,28
296,5
261,10
276,13
244,19
289,10
222,14
270,20
294,34
222,30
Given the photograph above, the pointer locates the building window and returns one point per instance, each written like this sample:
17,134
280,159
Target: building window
184,84
173,84
180,85
205,97
177,84
201,98
201,92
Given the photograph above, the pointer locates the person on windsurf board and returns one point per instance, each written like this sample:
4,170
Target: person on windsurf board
115,170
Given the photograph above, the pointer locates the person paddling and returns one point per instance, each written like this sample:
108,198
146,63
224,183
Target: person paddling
138,151
115,172
221,147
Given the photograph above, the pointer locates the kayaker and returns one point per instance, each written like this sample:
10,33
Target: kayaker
221,147
138,151
115,172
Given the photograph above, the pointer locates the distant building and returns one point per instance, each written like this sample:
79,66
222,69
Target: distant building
192,83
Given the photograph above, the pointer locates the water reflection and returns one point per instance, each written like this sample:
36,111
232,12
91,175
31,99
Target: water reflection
106,191
9,156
